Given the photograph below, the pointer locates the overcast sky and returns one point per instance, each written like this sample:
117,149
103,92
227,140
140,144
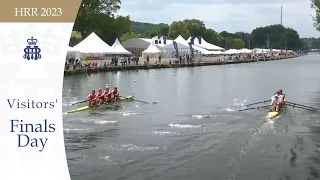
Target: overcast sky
229,15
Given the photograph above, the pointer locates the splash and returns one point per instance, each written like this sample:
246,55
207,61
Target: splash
183,125
228,110
237,102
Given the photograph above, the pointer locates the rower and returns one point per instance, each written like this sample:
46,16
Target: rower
282,96
99,97
91,98
275,104
115,94
107,95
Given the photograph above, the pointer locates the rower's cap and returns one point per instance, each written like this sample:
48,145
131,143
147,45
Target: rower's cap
115,87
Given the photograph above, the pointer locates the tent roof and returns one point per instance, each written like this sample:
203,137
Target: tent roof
151,49
182,43
92,44
204,44
117,48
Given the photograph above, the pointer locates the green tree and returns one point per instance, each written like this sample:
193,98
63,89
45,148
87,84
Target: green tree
315,4
154,32
279,37
213,37
91,11
164,30
235,43
195,27
129,35
75,38
178,28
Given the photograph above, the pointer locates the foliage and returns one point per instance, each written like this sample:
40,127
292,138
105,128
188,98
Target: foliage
98,16
129,35
178,28
144,28
279,37
154,32
235,43
75,38
312,43
315,4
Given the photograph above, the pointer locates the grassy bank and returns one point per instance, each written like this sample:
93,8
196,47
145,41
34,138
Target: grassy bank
137,67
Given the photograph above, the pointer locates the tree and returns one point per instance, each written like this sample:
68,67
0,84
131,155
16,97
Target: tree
75,38
212,37
195,27
164,30
178,28
279,37
235,43
129,35
315,4
154,32
91,11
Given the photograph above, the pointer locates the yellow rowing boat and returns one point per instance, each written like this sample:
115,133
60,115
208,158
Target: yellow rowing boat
272,115
85,108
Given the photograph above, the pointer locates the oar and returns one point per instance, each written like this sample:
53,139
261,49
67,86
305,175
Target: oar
254,108
258,102
313,109
136,100
78,102
295,105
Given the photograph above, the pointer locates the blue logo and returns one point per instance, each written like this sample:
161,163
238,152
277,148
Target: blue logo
32,51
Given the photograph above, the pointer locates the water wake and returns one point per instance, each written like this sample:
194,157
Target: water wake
183,125
251,143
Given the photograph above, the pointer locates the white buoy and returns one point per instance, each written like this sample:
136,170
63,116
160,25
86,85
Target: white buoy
134,81
173,74
156,77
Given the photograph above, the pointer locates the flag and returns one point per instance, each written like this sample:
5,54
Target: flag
164,40
192,39
191,50
199,39
225,43
176,48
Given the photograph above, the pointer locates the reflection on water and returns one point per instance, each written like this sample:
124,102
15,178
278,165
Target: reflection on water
194,130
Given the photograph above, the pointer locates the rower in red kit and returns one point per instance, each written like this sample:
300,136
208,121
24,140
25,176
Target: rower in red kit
115,94
91,98
107,95
99,98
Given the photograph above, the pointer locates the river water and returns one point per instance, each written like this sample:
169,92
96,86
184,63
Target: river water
192,129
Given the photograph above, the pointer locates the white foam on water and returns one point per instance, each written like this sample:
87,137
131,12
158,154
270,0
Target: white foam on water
130,114
132,147
252,142
106,122
183,125
68,130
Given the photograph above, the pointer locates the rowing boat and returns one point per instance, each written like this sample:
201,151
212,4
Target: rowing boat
272,115
86,108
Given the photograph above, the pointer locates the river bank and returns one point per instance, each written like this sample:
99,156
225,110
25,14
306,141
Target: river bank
158,66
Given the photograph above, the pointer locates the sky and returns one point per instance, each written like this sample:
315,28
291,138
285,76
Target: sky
225,15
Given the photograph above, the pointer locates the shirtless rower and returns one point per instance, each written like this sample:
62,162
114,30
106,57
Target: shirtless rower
282,97
91,98
115,94
275,104
99,98
107,95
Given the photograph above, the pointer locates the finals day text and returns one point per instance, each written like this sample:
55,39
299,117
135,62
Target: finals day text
31,134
